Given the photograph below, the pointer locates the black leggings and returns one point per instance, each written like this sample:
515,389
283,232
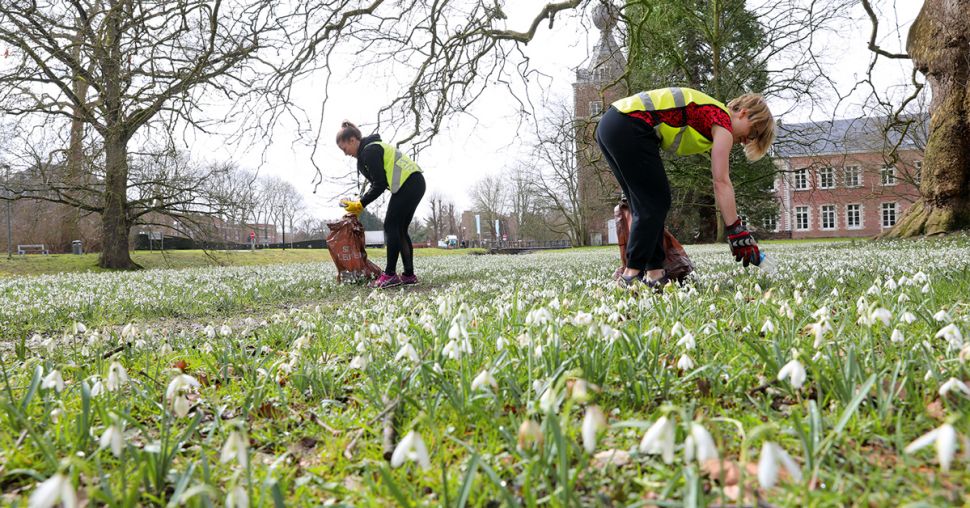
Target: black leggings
632,149
400,211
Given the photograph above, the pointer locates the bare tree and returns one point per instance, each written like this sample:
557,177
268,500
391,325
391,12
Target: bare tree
490,200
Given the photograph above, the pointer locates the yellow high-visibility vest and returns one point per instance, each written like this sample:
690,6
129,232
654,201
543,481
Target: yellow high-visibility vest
683,140
397,166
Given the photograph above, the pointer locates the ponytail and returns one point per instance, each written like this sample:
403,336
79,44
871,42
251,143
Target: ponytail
347,132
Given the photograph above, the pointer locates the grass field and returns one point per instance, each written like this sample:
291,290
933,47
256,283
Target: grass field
838,379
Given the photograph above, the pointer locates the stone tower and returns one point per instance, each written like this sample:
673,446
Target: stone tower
595,88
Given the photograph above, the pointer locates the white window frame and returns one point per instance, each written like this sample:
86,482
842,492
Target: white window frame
808,218
773,219
856,171
891,171
882,214
801,174
821,218
862,217
831,174
595,108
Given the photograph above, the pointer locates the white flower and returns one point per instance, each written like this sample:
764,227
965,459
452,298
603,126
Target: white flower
484,379
820,329
952,335
685,362
659,439
880,314
908,318
97,388
593,422
53,380
773,456
237,498
224,330
580,391
175,393
549,401
54,489
942,316
945,438
236,447
583,319
700,444
210,332
114,438
117,377
677,329
687,341
897,336
530,435
79,328
768,327
407,351
411,448
500,343
795,371
954,384
359,363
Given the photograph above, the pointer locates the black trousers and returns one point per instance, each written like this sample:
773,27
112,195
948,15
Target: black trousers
400,211
632,149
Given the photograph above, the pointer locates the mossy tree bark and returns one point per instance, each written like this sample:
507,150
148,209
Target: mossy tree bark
939,44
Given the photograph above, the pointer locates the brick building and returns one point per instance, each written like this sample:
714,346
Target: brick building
836,179
596,87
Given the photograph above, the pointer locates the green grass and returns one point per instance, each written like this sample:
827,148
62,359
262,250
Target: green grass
312,373
176,259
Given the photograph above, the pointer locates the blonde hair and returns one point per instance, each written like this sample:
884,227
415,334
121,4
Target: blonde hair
761,120
347,132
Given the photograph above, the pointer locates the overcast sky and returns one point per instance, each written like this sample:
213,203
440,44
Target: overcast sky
485,141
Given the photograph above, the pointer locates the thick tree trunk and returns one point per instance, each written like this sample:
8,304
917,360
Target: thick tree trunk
115,223
939,43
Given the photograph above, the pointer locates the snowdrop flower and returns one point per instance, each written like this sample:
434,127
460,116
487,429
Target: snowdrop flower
795,371
593,422
897,336
538,316
175,393
97,388
117,377
880,314
952,335
225,331
407,351
114,438
768,327
57,488
451,350
500,343
908,318
773,456
236,447
166,349
583,319
687,341
659,439
411,448
820,329
954,384
53,380
484,379
942,316
530,436
700,444
210,332
359,363
685,362
677,329
79,328
549,401
945,438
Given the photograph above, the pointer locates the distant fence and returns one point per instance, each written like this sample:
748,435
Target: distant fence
142,242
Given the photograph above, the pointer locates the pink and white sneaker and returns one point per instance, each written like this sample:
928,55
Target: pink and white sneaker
409,280
385,281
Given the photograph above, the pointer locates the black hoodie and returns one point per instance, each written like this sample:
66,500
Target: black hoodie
370,164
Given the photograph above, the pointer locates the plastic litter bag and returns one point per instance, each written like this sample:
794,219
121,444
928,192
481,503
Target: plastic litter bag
676,261
346,245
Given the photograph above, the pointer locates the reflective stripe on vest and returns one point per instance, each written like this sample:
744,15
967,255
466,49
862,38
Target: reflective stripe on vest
683,140
397,166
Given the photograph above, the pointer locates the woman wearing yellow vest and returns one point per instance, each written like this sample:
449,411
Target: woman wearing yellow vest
682,121
386,167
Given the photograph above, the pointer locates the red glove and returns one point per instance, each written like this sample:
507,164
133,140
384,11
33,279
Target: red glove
743,245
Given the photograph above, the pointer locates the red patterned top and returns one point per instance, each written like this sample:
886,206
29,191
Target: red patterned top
701,117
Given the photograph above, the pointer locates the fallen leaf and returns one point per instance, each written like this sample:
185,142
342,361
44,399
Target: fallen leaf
618,458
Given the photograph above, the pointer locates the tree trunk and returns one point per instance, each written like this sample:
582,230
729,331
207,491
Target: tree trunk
115,223
706,218
938,42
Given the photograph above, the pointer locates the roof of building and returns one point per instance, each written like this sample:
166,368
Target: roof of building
851,135
607,56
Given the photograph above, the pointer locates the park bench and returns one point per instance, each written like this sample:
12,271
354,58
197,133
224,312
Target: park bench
32,249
